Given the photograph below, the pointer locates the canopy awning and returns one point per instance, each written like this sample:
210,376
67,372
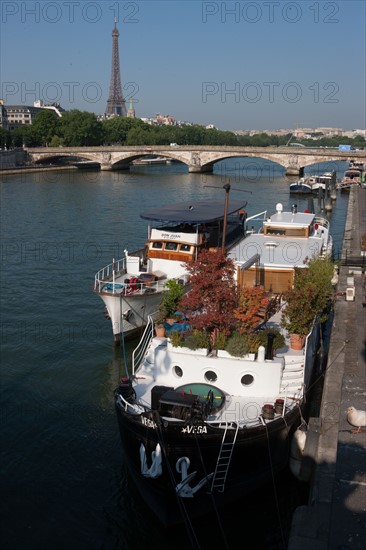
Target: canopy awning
192,212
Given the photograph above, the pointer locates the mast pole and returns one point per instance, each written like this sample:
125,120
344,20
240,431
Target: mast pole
227,191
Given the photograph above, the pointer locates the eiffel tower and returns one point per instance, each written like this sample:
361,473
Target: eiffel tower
116,104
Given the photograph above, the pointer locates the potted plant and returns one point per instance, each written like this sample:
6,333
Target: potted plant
309,299
170,300
159,327
298,314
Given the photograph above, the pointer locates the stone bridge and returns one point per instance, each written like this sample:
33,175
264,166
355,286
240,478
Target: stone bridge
198,158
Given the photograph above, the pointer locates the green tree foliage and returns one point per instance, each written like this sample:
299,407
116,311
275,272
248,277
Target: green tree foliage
318,276
116,129
44,127
170,299
21,135
80,128
213,295
311,296
5,138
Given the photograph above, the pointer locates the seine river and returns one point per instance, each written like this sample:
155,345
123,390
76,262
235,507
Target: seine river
63,482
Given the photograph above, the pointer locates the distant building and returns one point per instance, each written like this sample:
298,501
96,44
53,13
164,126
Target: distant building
21,115
329,132
165,120
55,107
131,110
355,133
24,115
3,115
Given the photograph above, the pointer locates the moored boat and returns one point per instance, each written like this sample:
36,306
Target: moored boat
203,425
131,287
314,184
352,176
301,186
284,242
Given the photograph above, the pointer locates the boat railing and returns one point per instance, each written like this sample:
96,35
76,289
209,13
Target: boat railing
139,352
322,221
107,273
260,216
126,289
129,407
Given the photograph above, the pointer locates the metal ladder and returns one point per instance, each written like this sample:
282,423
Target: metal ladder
224,458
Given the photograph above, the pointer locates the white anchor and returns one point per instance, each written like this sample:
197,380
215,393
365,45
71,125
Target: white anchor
155,469
183,489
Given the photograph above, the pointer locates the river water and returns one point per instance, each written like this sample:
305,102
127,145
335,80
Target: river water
63,482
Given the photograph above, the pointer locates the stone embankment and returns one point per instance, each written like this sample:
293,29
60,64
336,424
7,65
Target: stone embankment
335,456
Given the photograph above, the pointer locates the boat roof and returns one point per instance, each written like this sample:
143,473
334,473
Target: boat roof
298,219
276,252
192,212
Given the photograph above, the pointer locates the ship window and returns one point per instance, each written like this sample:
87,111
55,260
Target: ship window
171,246
177,371
247,380
210,376
185,247
157,245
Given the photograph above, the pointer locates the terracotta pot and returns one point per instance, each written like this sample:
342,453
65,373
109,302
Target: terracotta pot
296,341
159,331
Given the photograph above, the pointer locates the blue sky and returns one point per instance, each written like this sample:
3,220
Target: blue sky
237,65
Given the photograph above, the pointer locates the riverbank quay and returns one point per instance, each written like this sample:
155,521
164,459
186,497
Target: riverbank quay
29,170
334,457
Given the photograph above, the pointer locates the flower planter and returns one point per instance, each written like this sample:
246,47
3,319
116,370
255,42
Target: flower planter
187,351
296,341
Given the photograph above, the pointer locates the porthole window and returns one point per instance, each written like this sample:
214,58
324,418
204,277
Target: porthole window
247,380
210,376
177,371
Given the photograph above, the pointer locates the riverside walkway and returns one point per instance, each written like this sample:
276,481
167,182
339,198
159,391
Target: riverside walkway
335,517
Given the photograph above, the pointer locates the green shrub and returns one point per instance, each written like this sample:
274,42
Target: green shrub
220,341
193,340
253,341
237,345
278,341
175,338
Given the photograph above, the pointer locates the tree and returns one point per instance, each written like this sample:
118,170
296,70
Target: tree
5,138
212,297
311,297
252,301
116,129
318,276
80,128
44,127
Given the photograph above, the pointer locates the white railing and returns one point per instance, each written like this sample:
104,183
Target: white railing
260,216
106,274
322,221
